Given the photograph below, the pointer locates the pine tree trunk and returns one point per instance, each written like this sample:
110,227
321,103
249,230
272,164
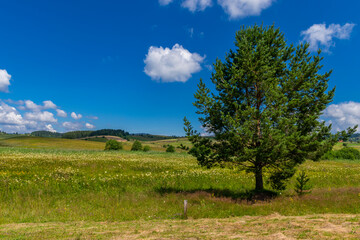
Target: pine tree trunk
259,180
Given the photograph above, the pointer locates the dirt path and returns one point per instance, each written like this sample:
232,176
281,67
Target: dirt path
327,226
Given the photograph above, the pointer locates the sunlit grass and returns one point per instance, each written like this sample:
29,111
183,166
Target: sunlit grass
51,143
63,185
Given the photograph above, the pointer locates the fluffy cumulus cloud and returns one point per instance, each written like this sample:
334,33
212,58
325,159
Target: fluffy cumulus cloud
41,116
50,128
61,113
4,80
342,115
244,8
76,116
318,35
234,8
172,65
12,121
27,116
49,105
30,105
196,5
9,115
89,126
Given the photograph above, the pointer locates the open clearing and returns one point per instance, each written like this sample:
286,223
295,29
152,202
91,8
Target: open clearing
68,189
107,137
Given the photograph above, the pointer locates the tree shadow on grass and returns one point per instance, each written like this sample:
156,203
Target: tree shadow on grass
248,195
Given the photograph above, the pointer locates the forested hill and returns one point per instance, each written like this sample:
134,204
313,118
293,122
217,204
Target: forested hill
46,134
83,134
149,137
102,132
355,137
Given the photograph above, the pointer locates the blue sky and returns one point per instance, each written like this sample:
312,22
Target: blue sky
134,65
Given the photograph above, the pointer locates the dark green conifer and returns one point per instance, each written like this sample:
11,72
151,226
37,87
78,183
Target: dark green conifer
266,108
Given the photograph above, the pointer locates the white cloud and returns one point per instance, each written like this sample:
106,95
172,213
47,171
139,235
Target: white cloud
318,35
50,128
27,116
76,116
4,80
10,116
342,115
165,2
30,105
49,105
89,126
19,102
72,126
61,113
196,5
41,116
172,65
244,8
12,121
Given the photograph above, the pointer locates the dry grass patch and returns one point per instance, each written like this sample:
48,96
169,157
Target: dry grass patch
275,226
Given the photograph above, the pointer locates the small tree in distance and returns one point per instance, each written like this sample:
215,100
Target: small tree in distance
265,112
113,145
137,146
170,149
146,148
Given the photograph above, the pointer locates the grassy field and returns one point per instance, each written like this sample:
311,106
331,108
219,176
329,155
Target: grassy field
73,144
70,183
50,143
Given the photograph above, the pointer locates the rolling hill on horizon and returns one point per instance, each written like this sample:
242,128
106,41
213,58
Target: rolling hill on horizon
102,132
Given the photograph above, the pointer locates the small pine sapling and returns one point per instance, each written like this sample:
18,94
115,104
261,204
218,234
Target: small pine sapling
301,185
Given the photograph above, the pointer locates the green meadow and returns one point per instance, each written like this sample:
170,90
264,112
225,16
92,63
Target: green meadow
45,180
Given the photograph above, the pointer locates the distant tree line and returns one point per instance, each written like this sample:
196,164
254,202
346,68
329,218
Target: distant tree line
109,132
46,134
76,134
149,137
84,134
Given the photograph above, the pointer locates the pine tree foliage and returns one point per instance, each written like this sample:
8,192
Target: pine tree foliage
301,185
265,111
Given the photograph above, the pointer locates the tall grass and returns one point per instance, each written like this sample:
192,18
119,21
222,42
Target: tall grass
64,185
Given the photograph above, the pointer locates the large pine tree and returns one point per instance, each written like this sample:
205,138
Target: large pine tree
265,111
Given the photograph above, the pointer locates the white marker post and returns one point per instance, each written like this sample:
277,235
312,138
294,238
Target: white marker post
185,209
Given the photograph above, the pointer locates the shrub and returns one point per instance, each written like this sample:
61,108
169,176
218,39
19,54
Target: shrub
344,153
137,146
170,149
113,145
146,148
